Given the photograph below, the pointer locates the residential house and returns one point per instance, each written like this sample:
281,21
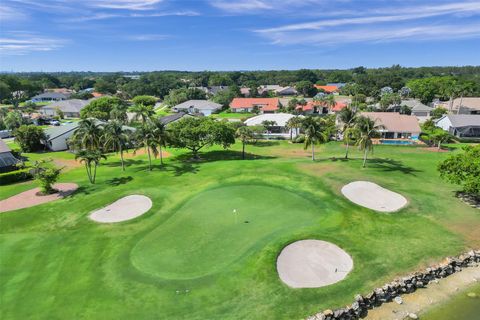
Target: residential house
279,128
264,105
212,90
7,160
278,90
50,97
395,125
318,107
339,85
467,105
245,92
460,125
70,108
333,89
57,137
204,107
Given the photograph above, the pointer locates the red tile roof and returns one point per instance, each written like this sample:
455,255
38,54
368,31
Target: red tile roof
265,104
339,106
327,89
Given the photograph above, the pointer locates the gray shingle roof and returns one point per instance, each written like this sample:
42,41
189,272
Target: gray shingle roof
198,104
464,120
72,105
416,105
4,147
55,132
51,95
171,118
6,157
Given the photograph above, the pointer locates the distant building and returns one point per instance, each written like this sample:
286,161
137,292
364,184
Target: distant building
278,90
467,105
50,97
70,108
7,160
460,125
264,105
396,125
166,120
327,89
213,90
317,107
339,85
204,107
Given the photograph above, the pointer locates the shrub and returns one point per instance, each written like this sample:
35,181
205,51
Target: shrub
299,139
29,138
46,175
15,176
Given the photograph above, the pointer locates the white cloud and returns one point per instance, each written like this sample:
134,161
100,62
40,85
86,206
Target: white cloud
148,37
378,35
22,43
241,6
10,14
103,16
125,4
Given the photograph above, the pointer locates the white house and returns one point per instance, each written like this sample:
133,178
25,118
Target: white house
278,129
460,125
57,137
395,125
204,107
278,90
50,96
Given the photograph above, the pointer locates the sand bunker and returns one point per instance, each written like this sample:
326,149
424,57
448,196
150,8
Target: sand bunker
372,196
31,197
126,208
313,264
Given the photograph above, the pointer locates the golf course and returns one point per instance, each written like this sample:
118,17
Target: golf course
208,246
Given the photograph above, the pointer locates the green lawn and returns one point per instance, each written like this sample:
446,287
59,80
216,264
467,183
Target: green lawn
189,257
233,115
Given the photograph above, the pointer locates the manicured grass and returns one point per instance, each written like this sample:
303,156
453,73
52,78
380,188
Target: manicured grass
233,115
189,258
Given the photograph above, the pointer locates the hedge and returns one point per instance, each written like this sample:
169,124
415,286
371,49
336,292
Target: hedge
15,176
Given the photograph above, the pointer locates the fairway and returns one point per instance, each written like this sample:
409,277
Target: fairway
205,235
191,256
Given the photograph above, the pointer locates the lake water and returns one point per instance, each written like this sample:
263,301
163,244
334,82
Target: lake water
460,307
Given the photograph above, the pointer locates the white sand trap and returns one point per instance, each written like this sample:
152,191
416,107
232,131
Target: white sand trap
126,208
372,196
313,264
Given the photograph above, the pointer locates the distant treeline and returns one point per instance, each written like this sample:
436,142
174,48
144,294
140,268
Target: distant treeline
362,80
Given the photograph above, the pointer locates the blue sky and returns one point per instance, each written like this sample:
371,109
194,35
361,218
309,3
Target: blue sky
145,35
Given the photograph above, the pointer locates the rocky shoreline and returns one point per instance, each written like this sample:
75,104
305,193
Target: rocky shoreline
405,285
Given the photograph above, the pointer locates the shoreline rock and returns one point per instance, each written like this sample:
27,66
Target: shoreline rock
404,285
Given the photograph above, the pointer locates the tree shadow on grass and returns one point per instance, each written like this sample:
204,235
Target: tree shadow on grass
391,165
220,155
119,181
128,163
266,143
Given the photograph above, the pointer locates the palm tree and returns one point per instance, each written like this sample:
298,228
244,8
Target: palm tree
367,129
119,112
116,138
312,127
329,101
245,134
89,158
88,135
294,123
142,112
348,116
146,139
159,131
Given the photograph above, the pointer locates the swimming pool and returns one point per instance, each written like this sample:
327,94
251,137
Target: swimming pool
397,142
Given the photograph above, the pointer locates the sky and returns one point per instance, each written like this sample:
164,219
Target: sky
195,35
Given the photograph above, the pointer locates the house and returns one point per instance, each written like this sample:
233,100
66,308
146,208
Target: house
278,90
57,137
467,105
419,109
264,105
204,107
245,92
333,89
50,97
460,125
65,91
318,107
339,85
174,117
7,160
396,125
279,128
70,108
213,90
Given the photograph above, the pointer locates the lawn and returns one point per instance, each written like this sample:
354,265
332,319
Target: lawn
233,115
191,257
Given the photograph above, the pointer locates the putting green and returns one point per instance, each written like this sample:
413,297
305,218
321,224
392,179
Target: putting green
205,235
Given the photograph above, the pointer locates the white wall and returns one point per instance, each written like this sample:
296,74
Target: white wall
444,123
